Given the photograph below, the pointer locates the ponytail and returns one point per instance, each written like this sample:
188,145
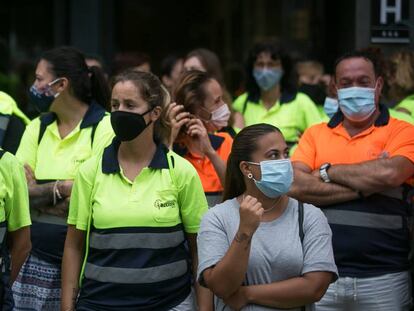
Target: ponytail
234,179
86,84
99,87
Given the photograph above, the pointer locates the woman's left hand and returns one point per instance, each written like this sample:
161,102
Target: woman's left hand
197,131
238,300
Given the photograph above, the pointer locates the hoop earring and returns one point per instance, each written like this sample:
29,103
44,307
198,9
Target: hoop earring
250,175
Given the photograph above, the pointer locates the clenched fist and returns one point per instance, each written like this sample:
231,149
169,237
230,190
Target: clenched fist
251,212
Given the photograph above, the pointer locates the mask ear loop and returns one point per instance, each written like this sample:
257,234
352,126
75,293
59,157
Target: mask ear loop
50,87
203,119
54,81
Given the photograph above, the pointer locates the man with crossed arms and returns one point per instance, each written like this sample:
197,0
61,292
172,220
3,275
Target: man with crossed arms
355,168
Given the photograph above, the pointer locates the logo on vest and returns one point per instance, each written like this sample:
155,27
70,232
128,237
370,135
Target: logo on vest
78,161
159,204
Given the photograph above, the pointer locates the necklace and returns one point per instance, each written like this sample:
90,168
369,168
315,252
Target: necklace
269,209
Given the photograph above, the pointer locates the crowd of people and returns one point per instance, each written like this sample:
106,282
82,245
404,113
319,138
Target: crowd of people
136,192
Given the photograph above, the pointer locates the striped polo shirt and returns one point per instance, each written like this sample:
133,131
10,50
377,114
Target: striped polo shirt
54,158
370,235
138,258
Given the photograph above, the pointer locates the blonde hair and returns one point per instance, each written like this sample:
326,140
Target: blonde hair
401,75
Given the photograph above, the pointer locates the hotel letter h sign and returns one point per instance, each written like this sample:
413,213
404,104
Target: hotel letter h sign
388,21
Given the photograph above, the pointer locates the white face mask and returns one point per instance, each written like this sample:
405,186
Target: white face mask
220,117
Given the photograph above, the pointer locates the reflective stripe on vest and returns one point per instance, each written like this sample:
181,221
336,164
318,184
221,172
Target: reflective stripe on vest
3,230
107,247
136,276
365,220
136,240
4,122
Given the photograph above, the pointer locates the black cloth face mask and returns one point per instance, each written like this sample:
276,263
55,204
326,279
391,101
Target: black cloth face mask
315,91
128,125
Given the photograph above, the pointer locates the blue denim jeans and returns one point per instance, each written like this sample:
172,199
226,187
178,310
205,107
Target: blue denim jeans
389,292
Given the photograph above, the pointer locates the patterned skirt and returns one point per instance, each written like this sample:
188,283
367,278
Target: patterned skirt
37,286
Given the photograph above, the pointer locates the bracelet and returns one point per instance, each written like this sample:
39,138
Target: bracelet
56,193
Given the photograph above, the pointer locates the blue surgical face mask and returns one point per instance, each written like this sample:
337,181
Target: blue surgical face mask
277,177
43,99
330,106
357,103
267,78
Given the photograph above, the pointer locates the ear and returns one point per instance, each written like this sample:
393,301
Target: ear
166,81
155,113
378,90
380,84
245,168
333,87
62,84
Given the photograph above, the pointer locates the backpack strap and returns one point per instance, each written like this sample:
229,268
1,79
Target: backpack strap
300,220
87,235
48,119
245,104
94,127
4,124
171,164
45,120
301,233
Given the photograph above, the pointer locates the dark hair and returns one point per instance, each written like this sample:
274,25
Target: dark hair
244,144
168,63
288,82
367,55
85,84
98,59
153,93
210,62
126,60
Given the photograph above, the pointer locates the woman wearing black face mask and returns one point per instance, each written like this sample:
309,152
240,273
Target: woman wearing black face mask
131,211
73,127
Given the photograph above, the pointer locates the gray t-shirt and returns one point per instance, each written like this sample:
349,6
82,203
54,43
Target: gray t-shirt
276,251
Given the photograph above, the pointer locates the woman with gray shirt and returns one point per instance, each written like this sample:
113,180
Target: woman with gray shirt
256,250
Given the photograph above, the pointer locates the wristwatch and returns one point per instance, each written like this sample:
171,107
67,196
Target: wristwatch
323,171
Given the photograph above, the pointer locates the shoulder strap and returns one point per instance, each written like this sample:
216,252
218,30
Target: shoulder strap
45,120
301,233
4,124
171,164
42,130
300,220
245,104
88,232
44,125
94,127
